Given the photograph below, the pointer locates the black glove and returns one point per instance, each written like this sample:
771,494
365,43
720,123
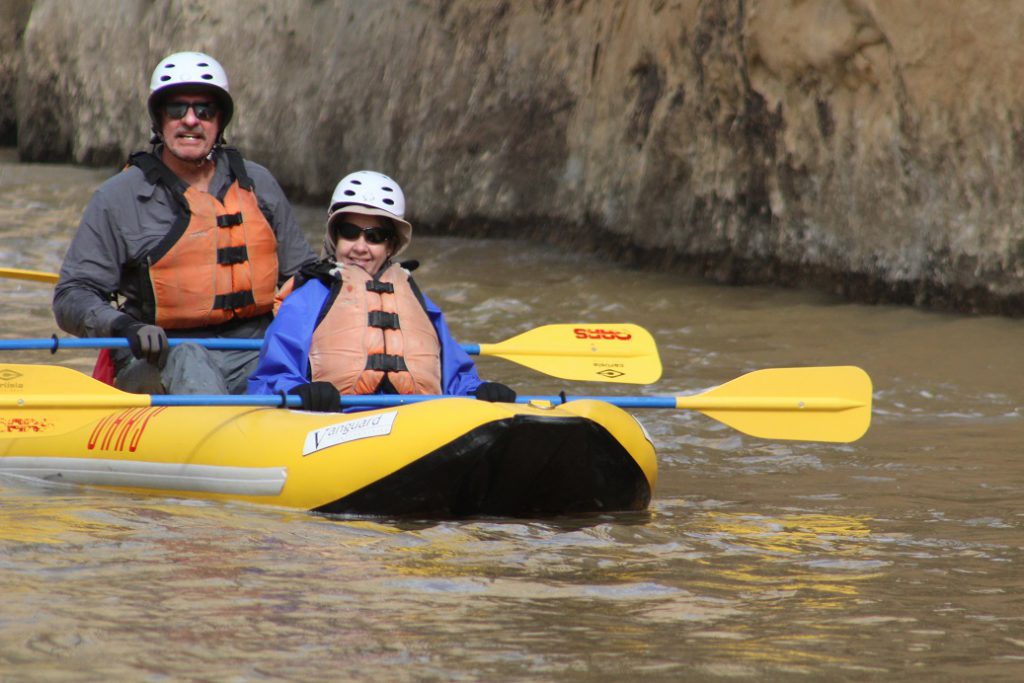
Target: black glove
319,396
146,341
495,392
318,270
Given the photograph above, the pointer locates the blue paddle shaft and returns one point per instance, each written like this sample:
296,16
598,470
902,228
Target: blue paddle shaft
54,344
387,400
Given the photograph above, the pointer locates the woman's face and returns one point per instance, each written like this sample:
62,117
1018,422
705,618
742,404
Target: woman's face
356,250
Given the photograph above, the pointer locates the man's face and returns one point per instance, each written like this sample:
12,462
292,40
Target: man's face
191,136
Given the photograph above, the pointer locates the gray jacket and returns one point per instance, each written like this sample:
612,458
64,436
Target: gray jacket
127,217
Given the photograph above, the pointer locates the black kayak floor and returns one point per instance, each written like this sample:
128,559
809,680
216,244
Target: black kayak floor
524,466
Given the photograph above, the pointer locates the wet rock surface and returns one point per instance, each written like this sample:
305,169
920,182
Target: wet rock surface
872,149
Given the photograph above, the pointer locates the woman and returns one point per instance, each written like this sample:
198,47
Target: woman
356,323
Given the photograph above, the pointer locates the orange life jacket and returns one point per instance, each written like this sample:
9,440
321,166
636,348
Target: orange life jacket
374,330
218,262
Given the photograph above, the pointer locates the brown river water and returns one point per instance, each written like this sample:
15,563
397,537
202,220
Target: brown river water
897,557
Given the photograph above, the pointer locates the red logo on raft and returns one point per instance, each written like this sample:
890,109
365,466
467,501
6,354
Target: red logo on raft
121,431
24,424
583,333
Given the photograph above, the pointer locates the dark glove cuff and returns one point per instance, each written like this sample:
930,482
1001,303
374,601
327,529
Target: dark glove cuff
125,325
319,396
495,392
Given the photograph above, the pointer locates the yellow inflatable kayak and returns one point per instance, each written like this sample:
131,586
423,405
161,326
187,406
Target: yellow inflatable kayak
448,457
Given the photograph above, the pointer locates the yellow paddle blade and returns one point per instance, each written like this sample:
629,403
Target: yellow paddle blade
807,404
30,393
34,275
590,352
49,386
605,352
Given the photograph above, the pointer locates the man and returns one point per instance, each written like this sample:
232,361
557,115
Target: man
192,239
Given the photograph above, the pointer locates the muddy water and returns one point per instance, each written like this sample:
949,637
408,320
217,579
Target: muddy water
897,557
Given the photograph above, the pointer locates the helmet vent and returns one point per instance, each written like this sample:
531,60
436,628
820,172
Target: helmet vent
204,64
357,182
389,201
206,77
349,193
165,78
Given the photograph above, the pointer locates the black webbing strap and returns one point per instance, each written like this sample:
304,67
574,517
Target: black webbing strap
229,220
234,300
227,256
237,165
380,287
383,362
385,321
156,172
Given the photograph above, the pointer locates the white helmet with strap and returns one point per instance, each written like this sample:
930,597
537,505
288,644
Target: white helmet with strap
190,69
373,194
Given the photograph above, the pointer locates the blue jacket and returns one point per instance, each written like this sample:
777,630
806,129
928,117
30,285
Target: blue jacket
284,356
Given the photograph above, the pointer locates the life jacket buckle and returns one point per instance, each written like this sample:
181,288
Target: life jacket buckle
380,287
229,220
383,320
383,362
227,256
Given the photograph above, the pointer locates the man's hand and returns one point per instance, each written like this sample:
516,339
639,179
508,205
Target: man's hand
146,341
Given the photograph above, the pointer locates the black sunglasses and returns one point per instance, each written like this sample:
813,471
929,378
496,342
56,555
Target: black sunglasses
204,111
351,232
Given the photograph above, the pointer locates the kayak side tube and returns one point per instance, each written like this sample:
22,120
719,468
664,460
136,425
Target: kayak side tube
449,457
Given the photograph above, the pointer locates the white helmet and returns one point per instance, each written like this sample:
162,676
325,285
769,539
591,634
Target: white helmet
372,194
190,68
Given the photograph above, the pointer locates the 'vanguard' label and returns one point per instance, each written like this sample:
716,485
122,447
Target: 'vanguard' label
359,428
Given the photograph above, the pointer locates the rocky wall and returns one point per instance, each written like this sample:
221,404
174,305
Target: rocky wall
874,148
13,18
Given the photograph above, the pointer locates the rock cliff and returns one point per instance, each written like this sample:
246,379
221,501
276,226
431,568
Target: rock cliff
13,17
872,147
